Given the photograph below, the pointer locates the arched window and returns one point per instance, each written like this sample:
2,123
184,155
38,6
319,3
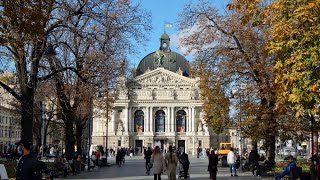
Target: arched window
160,121
181,121
138,121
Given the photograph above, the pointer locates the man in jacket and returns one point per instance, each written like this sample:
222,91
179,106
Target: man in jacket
231,160
147,157
27,165
184,160
287,169
254,162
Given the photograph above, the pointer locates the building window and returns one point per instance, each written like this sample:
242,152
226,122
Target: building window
160,121
181,121
138,121
200,143
119,142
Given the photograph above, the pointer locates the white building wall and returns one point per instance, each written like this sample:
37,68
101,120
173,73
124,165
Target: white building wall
151,93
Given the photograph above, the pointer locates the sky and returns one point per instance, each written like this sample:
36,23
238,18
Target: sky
165,11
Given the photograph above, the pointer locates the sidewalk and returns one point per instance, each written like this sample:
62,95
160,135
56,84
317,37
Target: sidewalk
134,169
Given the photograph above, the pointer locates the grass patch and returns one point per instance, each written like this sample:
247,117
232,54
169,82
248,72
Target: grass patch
279,166
11,167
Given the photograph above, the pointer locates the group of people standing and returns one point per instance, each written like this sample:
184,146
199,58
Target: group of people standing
166,164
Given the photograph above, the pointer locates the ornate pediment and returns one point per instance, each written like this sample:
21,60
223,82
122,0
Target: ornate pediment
163,76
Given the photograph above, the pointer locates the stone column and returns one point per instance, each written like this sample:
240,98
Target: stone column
151,120
189,120
146,120
192,119
125,111
167,123
193,145
129,119
112,120
169,119
173,127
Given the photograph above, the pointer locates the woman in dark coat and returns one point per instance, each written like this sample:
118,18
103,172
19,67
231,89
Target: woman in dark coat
213,165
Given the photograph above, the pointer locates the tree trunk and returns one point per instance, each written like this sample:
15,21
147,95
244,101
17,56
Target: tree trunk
271,147
79,129
27,117
70,140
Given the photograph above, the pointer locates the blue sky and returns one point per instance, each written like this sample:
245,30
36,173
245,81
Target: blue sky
164,11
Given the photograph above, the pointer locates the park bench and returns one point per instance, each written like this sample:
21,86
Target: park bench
295,173
267,168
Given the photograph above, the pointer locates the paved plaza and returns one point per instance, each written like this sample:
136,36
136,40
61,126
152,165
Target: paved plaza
133,169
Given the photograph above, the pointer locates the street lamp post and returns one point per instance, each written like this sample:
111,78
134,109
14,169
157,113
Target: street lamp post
312,167
107,120
240,129
43,132
240,147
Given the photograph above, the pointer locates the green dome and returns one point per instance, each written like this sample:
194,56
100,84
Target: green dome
163,57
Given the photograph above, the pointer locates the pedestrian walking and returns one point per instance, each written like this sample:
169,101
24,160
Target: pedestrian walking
171,163
184,161
147,157
231,160
213,165
27,167
157,160
254,162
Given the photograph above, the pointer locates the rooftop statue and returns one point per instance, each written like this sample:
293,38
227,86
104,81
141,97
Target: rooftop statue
159,57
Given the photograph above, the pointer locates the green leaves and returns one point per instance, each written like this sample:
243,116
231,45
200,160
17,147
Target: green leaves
297,51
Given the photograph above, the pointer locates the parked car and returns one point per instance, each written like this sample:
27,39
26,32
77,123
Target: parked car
302,152
289,151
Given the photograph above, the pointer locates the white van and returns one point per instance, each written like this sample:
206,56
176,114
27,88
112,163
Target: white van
95,148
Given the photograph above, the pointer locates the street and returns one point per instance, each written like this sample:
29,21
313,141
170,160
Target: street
133,169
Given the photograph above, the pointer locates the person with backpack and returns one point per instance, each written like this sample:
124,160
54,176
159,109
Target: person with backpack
184,160
28,166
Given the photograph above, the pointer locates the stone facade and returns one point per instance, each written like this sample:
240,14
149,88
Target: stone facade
161,106
10,128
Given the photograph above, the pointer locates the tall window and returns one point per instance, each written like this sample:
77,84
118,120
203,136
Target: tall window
138,121
181,121
160,121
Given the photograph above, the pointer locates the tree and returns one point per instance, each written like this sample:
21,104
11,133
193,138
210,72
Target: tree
94,43
295,33
23,42
295,43
46,120
235,51
215,103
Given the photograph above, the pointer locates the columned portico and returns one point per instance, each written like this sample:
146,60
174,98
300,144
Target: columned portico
159,106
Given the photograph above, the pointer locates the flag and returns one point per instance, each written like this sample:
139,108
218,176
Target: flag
168,25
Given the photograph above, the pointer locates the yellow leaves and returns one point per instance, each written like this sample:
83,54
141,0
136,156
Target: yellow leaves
294,40
3,78
26,17
294,98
